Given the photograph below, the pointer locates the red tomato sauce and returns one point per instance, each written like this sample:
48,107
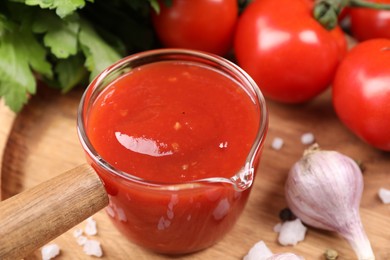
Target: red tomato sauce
173,122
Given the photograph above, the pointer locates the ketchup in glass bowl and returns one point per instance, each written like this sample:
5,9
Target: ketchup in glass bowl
175,136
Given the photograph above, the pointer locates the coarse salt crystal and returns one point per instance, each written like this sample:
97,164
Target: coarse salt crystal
50,251
77,232
277,143
90,228
291,232
307,138
93,248
259,251
81,240
285,256
384,195
277,227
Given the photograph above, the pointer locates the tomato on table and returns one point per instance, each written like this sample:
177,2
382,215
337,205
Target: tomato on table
205,25
361,92
368,23
286,51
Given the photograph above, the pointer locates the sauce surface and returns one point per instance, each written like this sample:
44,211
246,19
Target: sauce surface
173,122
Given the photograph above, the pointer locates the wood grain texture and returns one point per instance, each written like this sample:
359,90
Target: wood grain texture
44,143
7,118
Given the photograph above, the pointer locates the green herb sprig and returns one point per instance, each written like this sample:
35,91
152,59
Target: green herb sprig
66,43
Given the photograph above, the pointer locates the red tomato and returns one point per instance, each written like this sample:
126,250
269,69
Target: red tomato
206,25
286,51
361,92
344,13
367,23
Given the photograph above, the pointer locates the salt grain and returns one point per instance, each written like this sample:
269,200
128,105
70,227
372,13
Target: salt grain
93,248
77,232
384,195
307,138
50,251
292,232
90,228
277,227
285,256
277,143
259,251
81,240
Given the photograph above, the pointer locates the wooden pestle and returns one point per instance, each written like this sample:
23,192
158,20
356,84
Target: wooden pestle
34,217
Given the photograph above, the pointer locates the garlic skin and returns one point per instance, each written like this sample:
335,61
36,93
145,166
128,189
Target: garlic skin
324,189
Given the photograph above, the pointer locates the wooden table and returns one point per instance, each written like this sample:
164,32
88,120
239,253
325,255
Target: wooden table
43,143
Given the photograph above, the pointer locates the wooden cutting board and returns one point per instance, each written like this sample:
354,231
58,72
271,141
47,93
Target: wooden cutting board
7,118
43,143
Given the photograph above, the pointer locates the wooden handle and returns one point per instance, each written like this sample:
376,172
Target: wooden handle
34,217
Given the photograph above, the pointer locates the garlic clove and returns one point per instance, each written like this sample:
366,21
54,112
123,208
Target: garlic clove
327,181
324,189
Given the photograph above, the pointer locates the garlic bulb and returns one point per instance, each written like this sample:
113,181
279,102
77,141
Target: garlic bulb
324,189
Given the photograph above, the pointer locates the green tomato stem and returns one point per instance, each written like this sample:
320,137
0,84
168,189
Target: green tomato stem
326,11
366,4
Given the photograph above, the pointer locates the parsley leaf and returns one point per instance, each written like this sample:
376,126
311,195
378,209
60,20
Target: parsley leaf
19,51
60,35
70,72
62,7
99,55
61,42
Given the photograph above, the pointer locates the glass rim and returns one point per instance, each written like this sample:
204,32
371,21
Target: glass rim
241,180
